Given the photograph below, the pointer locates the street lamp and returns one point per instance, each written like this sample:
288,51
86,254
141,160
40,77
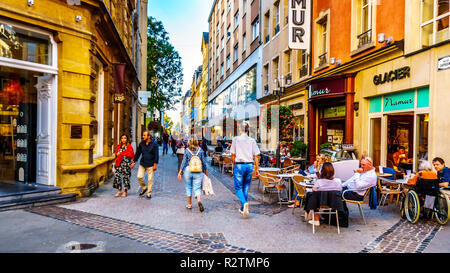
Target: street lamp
278,91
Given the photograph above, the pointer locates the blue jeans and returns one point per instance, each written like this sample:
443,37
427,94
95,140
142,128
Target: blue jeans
242,181
165,147
193,181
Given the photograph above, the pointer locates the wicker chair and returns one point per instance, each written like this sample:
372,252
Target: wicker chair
272,182
299,188
227,163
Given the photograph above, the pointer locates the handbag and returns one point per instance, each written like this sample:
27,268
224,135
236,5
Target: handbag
180,151
207,186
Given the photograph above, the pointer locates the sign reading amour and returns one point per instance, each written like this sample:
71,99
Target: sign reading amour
399,101
299,21
392,75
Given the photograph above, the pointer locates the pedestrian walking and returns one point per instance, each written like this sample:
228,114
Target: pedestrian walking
165,138
150,155
181,146
173,144
205,147
244,154
124,157
192,167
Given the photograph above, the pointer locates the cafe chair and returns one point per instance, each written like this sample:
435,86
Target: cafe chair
385,191
301,192
325,202
272,174
227,163
357,202
254,176
327,210
295,168
270,181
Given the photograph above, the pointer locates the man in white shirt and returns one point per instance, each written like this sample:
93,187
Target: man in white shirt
364,177
244,154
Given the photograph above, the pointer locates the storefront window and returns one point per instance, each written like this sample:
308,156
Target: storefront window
422,138
376,140
24,45
18,111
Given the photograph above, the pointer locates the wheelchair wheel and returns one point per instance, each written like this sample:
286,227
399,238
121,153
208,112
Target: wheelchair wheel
441,205
412,207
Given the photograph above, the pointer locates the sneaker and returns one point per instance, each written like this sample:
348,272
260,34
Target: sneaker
241,212
316,223
246,212
149,196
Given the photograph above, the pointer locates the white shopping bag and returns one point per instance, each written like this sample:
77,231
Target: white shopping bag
207,186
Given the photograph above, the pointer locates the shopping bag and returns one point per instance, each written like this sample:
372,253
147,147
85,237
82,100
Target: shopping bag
207,186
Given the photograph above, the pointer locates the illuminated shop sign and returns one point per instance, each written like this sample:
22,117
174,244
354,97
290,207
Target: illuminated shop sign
299,21
392,75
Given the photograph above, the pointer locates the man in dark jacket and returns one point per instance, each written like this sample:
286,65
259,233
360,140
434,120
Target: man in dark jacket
150,156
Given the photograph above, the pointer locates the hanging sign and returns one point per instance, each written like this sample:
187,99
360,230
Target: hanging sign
299,24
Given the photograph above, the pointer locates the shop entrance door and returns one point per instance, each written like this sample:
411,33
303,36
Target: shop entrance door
400,133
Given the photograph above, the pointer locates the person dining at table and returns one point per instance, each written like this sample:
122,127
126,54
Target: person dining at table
314,168
364,177
325,182
443,172
401,161
426,172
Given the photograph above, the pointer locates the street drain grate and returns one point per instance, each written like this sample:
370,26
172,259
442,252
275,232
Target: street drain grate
77,247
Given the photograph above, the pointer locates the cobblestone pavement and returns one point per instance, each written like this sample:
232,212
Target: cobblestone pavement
164,223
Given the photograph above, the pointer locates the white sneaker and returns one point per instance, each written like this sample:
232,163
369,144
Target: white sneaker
316,223
246,212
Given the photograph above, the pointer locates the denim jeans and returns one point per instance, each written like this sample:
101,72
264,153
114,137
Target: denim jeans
193,181
242,181
165,147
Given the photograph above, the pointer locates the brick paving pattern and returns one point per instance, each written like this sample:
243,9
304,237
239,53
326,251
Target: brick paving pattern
404,237
166,240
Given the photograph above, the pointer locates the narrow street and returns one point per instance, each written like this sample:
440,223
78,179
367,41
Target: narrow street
163,224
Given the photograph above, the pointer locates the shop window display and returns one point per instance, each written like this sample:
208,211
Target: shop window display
18,117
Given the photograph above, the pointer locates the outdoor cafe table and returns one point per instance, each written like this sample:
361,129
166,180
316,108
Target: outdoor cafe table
288,177
269,169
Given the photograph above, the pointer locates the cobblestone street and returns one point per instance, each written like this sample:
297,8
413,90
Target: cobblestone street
164,224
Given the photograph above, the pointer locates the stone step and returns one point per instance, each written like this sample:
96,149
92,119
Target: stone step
36,201
18,191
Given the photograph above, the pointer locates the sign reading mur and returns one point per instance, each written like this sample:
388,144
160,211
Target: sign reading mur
299,20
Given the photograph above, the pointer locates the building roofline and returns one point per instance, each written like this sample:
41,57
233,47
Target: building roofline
212,9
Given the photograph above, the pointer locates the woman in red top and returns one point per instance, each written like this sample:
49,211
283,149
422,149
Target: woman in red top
124,157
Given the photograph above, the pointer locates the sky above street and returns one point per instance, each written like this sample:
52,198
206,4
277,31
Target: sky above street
185,21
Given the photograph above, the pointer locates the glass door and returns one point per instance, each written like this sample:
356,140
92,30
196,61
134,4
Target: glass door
375,140
422,138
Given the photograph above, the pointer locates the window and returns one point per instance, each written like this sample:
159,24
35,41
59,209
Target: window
223,17
365,35
229,5
228,33
286,11
228,62
217,75
236,52
222,44
266,27
98,85
244,4
218,52
221,70
288,62
255,30
266,79
276,23
275,68
244,42
434,22
236,20
302,60
322,25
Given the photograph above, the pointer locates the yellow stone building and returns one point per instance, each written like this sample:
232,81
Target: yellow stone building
59,61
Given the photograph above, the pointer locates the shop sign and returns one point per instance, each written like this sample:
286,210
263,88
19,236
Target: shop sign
334,112
299,24
297,106
444,63
326,88
392,75
399,101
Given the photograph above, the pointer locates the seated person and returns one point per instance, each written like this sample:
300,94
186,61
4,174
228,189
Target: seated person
219,148
400,157
283,150
314,168
364,177
326,182
423,154
443,172
426,172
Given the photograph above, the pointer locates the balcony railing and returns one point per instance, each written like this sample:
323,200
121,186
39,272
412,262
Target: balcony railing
303,71
266,90
277,29
323,59
365,38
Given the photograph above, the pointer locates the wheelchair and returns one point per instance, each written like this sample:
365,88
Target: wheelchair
427,193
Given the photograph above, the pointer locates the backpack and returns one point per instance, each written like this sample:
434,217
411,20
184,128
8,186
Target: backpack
195,164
